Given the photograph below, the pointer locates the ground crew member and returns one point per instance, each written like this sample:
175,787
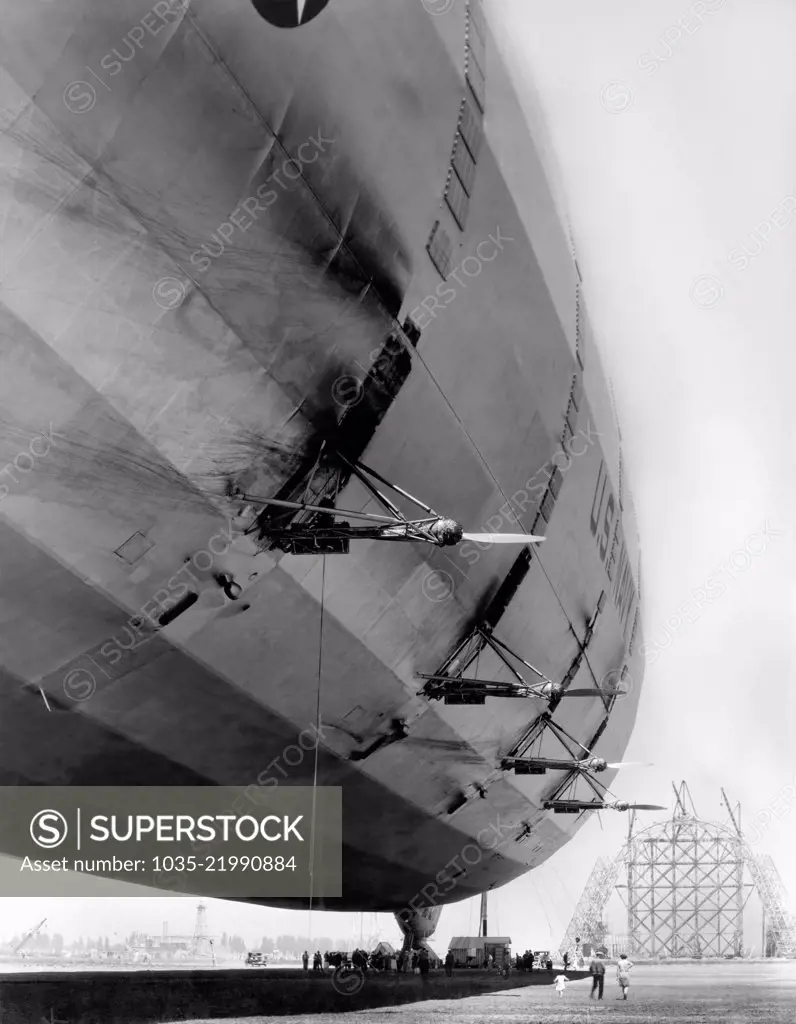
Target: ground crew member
597,972
623,973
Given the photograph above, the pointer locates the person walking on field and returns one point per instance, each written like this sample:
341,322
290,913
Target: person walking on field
623,969
561,984
597,972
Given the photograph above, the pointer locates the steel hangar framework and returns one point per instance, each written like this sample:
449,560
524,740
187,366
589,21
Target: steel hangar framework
684,889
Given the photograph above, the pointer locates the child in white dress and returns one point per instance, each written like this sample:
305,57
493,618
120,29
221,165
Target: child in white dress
560,984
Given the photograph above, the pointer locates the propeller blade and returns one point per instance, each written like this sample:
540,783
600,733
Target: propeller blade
590,693
645,807
629,764
503,538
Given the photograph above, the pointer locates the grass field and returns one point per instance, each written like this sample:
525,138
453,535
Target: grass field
685,994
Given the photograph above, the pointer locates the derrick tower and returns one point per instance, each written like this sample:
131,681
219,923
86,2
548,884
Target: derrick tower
202,943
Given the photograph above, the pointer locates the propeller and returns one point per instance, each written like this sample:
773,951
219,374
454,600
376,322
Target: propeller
502,538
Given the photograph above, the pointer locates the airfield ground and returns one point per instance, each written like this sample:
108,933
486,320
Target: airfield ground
732,993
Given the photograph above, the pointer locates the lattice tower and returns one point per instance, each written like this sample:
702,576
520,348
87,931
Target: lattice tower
201,939
780,922
587,921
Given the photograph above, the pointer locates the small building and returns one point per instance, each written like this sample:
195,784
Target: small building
474,950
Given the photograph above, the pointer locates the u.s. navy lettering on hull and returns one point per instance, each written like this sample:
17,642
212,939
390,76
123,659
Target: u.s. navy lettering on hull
605,520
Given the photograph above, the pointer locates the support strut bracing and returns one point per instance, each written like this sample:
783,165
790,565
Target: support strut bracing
318,528
451,685
319,477
527,757
527,761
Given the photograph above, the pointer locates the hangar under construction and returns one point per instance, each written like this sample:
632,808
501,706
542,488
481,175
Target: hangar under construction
684,891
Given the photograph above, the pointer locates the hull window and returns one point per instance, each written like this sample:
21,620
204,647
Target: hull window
457,199
464,165
475,18
476,42
548,504
578,329
475,79
555,482
439,247
572,415
471,128
577,390
133,548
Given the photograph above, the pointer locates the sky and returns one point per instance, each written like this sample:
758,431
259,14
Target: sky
674,140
